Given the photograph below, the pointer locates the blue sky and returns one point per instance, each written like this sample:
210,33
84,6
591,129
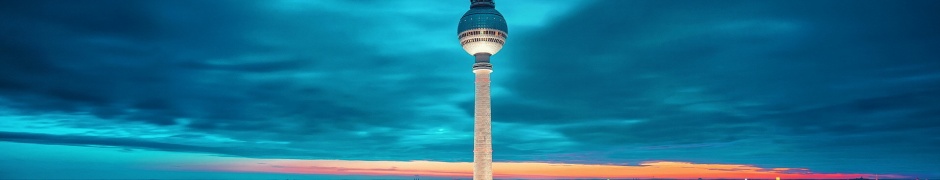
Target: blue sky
835,86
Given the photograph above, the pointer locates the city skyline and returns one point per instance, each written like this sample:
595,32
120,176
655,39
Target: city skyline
373,89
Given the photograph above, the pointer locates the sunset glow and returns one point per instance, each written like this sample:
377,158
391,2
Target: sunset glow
655,169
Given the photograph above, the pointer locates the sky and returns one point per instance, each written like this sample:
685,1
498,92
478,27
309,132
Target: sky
373,89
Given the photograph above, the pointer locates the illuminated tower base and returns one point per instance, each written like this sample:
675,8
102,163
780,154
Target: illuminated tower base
482,136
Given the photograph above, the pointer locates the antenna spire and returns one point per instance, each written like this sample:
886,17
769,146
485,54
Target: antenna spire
482,3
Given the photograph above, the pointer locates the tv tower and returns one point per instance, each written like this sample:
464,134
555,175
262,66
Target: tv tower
482,32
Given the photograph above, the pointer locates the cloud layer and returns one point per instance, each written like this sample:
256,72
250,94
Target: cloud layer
820,85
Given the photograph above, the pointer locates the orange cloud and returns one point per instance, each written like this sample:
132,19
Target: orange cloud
657,169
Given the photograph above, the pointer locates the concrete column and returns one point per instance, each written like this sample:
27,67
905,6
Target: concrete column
482,137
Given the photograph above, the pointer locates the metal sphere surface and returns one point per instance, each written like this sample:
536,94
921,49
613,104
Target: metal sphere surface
482,17
482,29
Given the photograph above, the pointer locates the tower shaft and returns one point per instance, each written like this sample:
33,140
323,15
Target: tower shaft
482,32
482,141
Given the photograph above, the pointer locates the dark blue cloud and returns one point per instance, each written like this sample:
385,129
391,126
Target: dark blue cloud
821,84
103,141
242,70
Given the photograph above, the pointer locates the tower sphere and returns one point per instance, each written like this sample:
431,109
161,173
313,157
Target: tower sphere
482,29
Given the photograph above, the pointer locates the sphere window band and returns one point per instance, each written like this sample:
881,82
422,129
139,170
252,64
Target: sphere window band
500,41
470,33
